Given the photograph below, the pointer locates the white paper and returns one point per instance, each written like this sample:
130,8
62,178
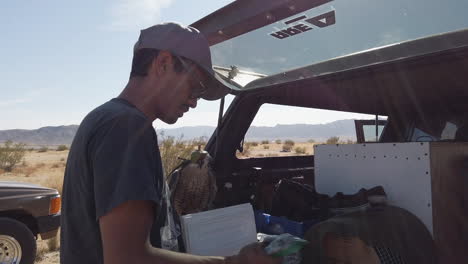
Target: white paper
219,232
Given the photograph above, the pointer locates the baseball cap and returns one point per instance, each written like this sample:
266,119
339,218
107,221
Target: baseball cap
187,42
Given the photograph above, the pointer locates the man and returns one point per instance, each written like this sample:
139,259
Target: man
114,207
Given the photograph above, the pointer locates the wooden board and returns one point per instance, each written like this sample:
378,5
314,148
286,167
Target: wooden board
449,171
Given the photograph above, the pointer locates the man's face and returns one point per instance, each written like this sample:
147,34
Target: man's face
180,91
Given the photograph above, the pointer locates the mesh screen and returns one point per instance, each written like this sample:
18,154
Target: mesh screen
387,256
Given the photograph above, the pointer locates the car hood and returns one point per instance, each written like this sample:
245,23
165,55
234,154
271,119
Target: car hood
21,188
21,185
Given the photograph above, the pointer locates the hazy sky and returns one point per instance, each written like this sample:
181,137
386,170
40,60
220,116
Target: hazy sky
61,59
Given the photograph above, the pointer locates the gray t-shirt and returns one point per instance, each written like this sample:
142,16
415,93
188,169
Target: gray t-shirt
114,158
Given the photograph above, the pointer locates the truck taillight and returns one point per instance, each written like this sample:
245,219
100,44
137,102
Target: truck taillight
55,204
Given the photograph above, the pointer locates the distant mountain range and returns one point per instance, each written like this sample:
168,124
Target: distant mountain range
43,136
299,132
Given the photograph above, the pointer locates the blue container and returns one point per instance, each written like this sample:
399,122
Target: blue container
274,225
261,221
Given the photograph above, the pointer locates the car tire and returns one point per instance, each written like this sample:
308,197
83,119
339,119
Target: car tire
14,233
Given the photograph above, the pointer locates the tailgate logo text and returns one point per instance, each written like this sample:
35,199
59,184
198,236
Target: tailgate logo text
320,21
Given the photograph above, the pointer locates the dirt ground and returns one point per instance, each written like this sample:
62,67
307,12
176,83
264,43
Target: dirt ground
47,169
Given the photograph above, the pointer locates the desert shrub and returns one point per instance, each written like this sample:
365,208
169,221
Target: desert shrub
55,166
286,148
174,151
11,154
43,149
27,170
260,155
300,150
333,140
265,142
289,142
62,148
266,147
54,181
201,141
250,144
278,141
311,140
272,155
62,159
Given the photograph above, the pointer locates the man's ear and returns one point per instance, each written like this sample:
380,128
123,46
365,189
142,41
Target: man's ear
162,63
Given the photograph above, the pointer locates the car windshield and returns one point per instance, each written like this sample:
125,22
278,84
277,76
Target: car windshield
334,29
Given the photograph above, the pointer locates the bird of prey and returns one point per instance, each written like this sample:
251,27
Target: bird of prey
193,186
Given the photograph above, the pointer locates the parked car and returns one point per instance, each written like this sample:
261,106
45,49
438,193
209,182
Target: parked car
26,211
321,55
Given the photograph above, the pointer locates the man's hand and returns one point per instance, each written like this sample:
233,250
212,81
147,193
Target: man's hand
254,254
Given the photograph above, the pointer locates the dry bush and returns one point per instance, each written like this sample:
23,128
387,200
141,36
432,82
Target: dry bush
55,166
265,142
174,151
289,142
260,155
251,144
43,149
300,150
278,141
62,148
286,148
26,170
55,181
333,140
62,159
201,141
311,140
11,155
272,155
266,147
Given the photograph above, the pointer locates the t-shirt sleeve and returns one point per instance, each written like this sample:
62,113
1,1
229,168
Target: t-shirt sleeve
124,164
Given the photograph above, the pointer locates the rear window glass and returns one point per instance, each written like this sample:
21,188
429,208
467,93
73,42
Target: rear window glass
336,28
279,130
